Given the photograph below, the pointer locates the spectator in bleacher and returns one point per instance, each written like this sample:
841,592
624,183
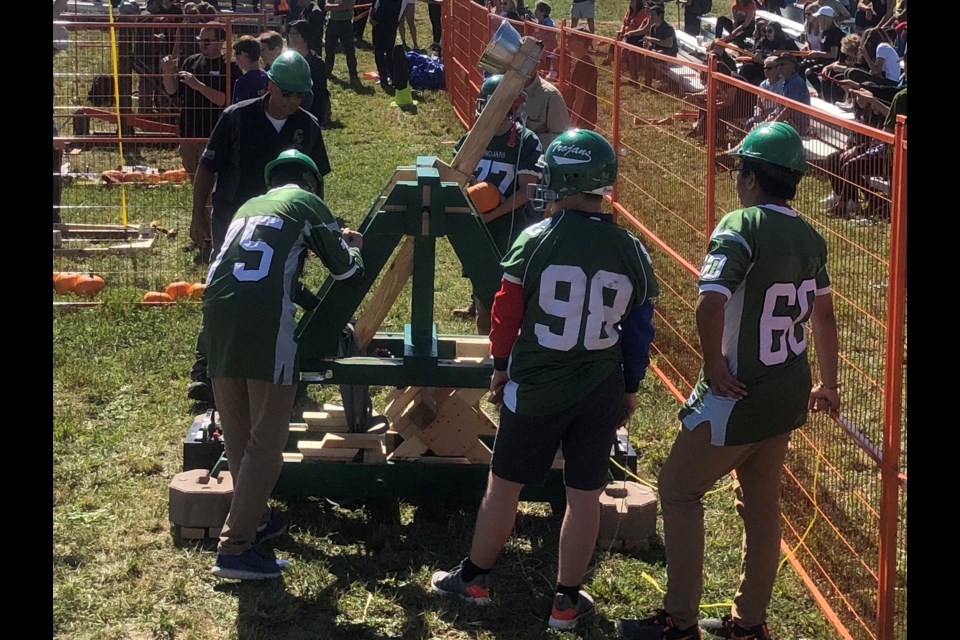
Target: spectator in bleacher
850,170
880,58
314,14
583,9
199,86
385,19
693,10
884,92
550,58
635,26
340,32
271,46
546,110
508,9
795,88
299,35
828,50
581,88
900,41
870,13
206,8
772,39
734,105
662,37
740,28
773,83
253,82
839,9
830,88
189,45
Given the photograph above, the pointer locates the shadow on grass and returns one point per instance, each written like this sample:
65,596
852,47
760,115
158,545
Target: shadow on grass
373,572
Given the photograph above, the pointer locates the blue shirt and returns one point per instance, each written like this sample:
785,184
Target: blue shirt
795,88
252,84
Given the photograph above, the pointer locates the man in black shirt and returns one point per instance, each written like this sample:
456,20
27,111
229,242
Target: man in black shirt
199,85
662,37
248,136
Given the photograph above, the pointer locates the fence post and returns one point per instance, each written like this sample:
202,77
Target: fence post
711,144
893,386
561,49
615,121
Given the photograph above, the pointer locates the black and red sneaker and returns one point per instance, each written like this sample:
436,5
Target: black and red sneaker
657,627
725,627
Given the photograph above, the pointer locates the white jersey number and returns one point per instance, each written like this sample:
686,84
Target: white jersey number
563,289
502,174
782,334
245,227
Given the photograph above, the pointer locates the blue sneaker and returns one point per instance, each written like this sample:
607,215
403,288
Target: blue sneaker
249,565
276,526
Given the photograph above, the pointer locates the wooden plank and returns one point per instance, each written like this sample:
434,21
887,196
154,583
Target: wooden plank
352,440
392,283
424,409
375,456
411,447
398,400
325,420
120,249
470,347
470,397
290,456
312,451
443,460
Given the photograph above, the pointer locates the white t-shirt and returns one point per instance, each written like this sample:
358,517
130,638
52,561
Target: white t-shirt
890,61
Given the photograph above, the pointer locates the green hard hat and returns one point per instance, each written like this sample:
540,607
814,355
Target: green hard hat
578,160
486,90
774,142
291,72
291,156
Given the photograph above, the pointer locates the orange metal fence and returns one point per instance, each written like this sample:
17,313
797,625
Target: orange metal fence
844,495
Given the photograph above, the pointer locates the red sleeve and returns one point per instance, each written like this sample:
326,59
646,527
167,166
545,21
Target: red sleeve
506,318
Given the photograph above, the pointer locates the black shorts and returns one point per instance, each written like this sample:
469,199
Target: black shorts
526,446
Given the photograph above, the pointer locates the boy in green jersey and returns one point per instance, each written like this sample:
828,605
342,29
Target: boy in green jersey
764,276
249,324
571,332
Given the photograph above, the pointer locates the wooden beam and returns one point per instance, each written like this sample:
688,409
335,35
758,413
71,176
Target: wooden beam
394,279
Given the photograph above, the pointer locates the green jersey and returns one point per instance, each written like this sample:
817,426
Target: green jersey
507,157
580,276
770,264
248,311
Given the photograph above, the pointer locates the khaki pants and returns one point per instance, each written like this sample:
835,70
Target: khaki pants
692,469
255,415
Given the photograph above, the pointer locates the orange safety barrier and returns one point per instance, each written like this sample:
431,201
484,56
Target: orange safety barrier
844,498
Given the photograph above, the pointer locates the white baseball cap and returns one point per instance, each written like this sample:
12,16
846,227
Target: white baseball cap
61,40
825,11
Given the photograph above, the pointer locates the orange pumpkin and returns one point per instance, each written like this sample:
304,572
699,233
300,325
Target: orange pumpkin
89,285
157,297
64,282
485,196
196,290
133,176
178,289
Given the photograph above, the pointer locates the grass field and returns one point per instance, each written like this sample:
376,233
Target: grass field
120,413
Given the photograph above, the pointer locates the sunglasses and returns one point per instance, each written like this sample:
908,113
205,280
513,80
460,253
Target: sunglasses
293,94
207,40
769,31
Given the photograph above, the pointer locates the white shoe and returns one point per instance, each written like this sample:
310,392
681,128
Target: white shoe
830,200
845,106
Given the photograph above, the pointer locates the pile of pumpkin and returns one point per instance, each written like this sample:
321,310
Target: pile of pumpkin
115,176
175,291
81,284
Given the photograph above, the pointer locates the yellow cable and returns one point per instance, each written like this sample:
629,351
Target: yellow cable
633,475
656,585
816,475
116,104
